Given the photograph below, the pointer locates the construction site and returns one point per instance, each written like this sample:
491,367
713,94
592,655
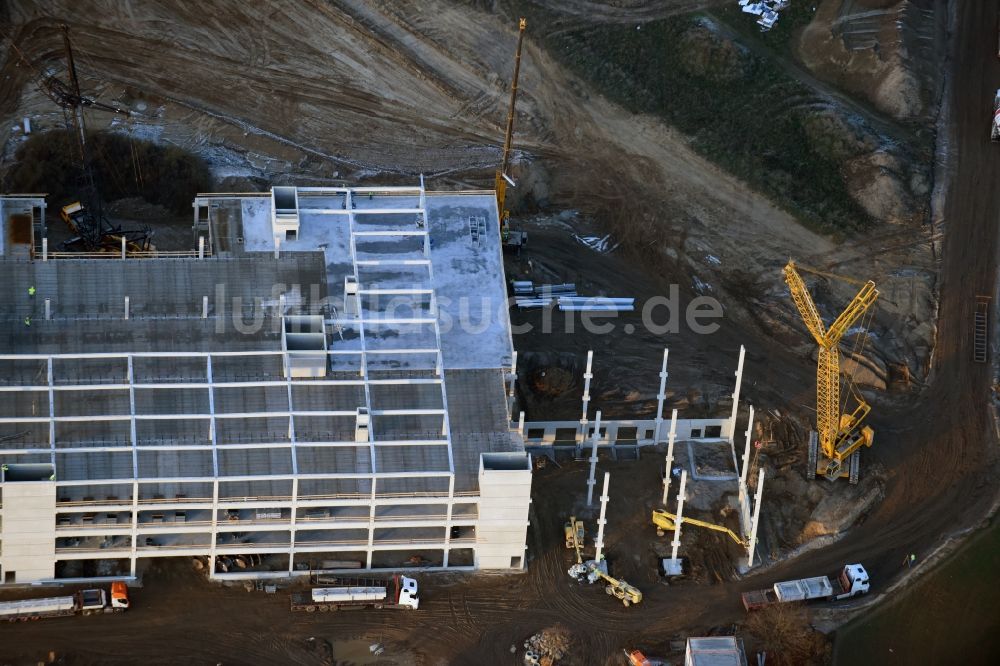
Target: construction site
496,323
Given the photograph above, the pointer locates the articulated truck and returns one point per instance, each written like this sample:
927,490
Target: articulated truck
852,581
355,593
84,602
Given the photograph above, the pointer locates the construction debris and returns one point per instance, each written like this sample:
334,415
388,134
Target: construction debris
603,244
767,11
528,295
546,647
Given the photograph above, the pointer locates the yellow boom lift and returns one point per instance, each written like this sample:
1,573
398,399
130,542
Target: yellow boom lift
667,522
840,433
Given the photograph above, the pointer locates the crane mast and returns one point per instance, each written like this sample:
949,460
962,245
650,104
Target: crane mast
839,435
86,220
501,175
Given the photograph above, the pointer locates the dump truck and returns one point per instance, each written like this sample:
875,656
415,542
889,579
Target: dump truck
995,125
355,593
852,581
84,602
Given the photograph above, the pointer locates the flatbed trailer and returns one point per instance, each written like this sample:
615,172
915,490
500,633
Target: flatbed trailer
850,582
399,592
84,602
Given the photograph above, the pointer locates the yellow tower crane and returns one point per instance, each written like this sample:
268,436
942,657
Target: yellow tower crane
840,434
501,176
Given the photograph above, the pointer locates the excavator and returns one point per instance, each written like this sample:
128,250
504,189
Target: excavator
840,433
667,522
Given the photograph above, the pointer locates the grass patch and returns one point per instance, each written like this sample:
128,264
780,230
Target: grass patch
163,175
949,617
741,111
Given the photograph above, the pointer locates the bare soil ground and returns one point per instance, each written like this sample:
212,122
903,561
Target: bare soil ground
351,90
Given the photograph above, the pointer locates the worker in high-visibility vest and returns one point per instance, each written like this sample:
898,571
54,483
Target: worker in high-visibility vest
31,291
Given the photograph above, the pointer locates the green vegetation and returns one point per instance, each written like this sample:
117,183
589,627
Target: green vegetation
164,175
949,617
741,111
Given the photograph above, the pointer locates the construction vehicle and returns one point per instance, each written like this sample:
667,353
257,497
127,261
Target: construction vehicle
851,582
619,588
839,434
91,229
84,602
574,532
512,241
637,658
354,593
667,522
995,125
103,237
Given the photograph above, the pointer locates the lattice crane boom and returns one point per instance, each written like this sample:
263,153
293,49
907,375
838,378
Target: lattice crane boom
836,431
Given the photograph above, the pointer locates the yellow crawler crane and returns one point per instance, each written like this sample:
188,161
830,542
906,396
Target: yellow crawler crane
840,434
667,522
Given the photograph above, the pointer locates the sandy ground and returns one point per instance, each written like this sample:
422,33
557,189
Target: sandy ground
402,92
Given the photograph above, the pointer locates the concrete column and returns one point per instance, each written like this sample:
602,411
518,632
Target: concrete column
48,309
744,508
126,307
201,247
45,249
731,428
277,247
513,375
447,521
510,389
204,307
591,481
660,397
281,305
756,518
520,424
602,521
670,455
676,544
731,431
587,376
123,247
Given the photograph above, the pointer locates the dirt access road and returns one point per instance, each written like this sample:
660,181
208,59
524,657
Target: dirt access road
943,464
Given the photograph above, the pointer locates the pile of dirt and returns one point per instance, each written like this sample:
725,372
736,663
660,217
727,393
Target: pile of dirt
881,183
882,50
888,184
842,506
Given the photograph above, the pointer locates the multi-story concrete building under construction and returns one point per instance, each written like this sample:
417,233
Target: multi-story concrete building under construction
319,384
